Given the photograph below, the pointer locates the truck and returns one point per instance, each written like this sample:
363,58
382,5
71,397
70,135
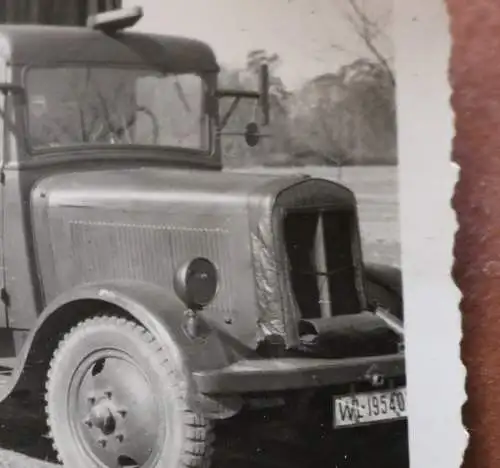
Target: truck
147,295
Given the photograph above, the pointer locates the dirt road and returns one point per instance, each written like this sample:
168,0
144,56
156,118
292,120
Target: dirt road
22,437
271,445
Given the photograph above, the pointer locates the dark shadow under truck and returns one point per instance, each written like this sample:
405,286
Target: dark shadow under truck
145,293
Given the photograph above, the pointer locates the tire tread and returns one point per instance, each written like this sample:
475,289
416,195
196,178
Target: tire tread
199,436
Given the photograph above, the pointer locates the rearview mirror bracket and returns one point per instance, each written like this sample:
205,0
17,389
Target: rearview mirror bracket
8,88
262,96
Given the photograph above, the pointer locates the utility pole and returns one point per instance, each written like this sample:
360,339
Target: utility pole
63,12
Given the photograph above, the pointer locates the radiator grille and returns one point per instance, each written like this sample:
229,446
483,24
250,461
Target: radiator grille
319,245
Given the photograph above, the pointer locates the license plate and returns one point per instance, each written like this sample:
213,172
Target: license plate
366,408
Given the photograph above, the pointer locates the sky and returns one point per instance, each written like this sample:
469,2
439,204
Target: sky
306,34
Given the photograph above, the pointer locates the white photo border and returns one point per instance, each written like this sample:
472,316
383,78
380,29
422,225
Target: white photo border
427,178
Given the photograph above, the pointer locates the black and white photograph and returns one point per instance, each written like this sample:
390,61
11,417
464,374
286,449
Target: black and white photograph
206,271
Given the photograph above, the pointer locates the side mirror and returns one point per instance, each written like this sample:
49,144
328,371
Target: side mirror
252,134
264,93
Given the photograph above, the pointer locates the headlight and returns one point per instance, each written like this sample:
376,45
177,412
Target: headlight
196,283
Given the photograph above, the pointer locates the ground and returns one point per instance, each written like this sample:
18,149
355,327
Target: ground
376,189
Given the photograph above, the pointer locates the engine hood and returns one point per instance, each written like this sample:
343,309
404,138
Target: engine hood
142,224
158,189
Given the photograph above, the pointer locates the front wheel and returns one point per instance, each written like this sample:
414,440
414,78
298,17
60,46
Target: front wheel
114,400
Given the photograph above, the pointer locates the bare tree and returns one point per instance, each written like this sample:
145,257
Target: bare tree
347,117
371,30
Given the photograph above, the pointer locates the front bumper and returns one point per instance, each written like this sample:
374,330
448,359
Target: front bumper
297,373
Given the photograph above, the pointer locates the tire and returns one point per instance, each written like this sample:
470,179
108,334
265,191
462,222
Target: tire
114,399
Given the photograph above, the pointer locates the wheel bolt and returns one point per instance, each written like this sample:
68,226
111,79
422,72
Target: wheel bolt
88,423
122,413
91,400
120,437
108,394
102,442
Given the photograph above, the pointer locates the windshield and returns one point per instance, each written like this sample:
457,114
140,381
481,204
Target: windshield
74,106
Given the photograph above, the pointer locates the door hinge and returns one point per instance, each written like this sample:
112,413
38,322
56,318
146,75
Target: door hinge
4,295
2,177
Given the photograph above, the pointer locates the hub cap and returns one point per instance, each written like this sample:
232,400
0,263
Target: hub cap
115,413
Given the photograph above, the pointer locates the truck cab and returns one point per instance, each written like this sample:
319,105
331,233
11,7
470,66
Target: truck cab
146,293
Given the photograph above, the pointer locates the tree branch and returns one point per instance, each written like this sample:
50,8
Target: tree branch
368,30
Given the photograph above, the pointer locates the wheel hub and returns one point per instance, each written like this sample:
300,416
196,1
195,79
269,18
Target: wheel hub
103,416
119,416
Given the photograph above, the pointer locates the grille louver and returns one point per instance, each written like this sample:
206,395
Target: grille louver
319,245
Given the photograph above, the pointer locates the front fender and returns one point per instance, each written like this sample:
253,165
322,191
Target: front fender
388,276
162,314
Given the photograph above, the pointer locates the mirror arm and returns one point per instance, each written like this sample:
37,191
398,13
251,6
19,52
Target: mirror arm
240,93
264,93
8,88
229,112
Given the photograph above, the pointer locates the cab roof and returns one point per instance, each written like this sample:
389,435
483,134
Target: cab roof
41,45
